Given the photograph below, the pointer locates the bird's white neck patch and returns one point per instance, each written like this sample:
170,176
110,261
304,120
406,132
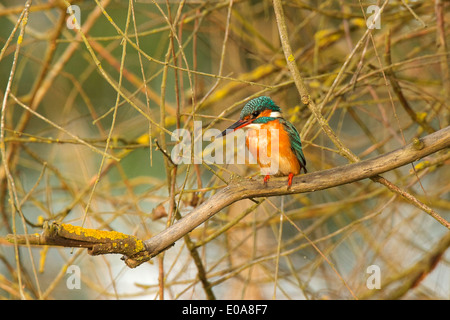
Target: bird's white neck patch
275,114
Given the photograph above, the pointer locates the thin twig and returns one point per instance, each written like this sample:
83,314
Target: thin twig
13,199
306,99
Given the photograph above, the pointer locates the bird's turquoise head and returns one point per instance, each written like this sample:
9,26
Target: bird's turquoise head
256,111
256,106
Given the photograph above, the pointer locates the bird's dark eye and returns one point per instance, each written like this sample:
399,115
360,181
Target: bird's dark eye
255,114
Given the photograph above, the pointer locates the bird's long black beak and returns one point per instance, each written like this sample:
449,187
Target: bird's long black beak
237,125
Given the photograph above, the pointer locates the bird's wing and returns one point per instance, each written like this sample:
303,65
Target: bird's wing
296,143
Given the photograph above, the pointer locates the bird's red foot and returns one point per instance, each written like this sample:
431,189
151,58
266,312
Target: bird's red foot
291,176
266,178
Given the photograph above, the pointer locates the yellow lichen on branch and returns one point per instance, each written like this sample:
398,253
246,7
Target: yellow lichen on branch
96,241
91,233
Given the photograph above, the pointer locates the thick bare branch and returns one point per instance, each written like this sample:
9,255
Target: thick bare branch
240,189
247,188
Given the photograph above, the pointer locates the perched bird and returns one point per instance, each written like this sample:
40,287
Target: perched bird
262,113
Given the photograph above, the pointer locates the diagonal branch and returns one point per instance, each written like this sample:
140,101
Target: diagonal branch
240,189
247,188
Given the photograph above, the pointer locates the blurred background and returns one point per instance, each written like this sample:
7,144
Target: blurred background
137,70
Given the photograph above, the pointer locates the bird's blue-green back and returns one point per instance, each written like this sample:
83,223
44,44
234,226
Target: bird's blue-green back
296,143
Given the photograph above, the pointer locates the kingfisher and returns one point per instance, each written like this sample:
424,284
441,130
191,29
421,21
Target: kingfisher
265,122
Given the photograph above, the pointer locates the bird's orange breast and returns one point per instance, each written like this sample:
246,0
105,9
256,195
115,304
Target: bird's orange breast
263,142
